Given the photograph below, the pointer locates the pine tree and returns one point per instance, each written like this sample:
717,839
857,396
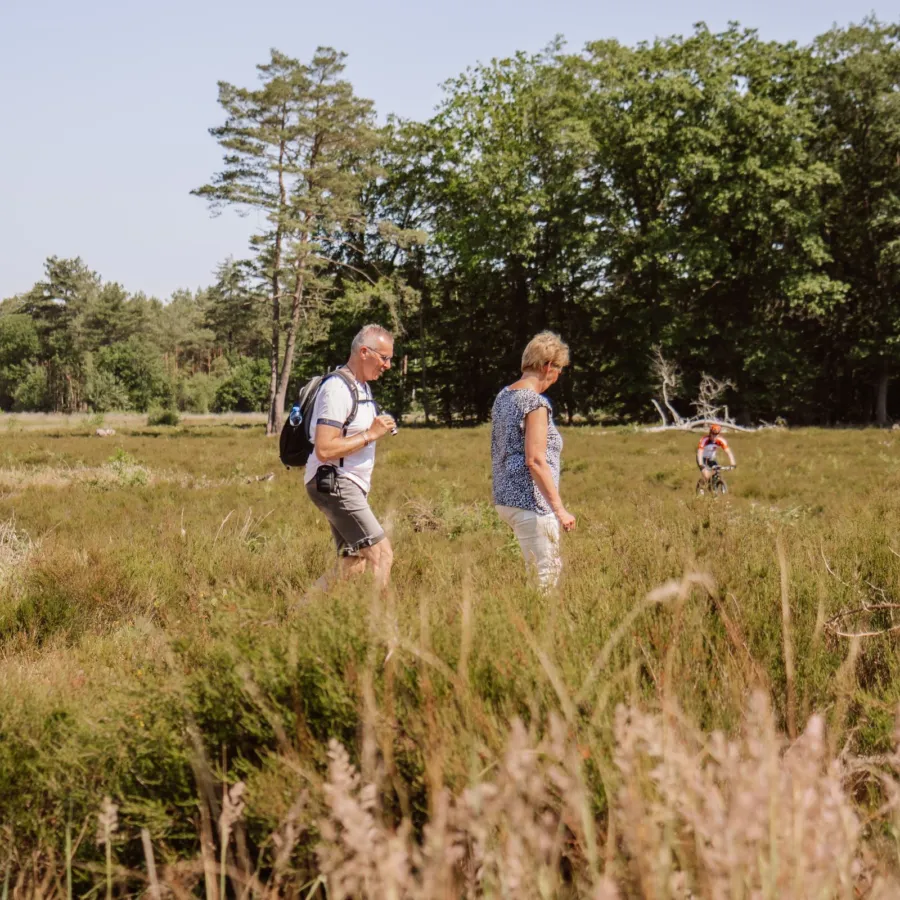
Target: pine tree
57,306
299,148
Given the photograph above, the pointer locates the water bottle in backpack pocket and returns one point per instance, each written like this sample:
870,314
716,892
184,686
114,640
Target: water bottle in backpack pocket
295,445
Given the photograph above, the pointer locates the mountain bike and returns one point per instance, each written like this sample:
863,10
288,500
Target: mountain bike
716,484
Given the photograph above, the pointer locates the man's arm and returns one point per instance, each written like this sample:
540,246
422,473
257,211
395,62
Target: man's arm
332,408
331,445
724,445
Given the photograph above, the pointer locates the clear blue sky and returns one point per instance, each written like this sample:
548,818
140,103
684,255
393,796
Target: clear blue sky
105,104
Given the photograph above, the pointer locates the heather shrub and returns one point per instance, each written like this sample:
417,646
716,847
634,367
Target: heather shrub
163,416
685,718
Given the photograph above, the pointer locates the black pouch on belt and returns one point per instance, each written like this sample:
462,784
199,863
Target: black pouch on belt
326,479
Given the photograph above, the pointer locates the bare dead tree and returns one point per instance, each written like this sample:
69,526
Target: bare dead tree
708,406
873,602
667,376
708,403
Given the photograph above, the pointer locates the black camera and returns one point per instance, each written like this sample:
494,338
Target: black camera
326,479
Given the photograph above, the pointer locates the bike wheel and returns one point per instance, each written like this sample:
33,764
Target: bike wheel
719,486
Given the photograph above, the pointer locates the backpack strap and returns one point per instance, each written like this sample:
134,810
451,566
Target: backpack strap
350,381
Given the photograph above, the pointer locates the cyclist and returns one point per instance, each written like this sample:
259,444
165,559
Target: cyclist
709,445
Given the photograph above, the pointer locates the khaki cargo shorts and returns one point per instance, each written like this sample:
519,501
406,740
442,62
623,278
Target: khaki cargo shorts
353,524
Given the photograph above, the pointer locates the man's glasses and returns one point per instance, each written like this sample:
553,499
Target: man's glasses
381,356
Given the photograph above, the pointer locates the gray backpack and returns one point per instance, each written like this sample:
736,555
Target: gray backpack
295,445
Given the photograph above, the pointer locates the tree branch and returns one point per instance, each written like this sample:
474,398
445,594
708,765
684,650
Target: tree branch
345,265
659,409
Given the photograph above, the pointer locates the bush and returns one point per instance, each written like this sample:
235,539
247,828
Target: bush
18,349
104,392
136,365
33,393
197,393
166,602
163,417
246,389
129,473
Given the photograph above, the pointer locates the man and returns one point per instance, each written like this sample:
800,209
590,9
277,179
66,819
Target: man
706,452
339,470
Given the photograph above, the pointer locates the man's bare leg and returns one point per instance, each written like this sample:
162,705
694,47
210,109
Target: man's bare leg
379,559
344,567
351,566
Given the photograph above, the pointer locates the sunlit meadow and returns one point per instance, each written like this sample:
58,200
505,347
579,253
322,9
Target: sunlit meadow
688,717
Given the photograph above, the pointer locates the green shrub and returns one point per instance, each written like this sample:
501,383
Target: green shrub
246,389
105,393
33,392
19,347
129,472
136,365
197,392
163,637
161,416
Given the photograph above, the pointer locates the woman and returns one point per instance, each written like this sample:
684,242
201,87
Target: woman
525,454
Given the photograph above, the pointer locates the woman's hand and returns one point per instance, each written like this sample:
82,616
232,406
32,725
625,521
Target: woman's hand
566,519
381,426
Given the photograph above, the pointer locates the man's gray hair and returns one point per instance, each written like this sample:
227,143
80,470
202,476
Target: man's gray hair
366,334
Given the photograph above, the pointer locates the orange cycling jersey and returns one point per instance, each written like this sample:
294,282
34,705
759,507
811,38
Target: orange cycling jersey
709,445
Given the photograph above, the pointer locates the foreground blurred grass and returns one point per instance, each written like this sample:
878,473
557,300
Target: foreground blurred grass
149,610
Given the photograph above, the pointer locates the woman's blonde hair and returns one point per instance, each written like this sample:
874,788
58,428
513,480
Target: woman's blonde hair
543,348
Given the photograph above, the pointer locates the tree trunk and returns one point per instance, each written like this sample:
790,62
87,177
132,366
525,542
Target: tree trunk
423,350
881,413
279,389
424,288
273,424
276,410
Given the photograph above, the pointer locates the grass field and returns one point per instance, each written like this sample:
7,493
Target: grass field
154,651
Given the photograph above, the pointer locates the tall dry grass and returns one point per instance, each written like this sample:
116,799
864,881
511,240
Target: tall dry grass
692,816
467,736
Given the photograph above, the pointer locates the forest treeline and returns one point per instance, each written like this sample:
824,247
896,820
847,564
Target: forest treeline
730,203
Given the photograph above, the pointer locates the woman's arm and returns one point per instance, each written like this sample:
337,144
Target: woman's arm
536,424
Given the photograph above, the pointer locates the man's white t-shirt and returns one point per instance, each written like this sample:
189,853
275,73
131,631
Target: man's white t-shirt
333,405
